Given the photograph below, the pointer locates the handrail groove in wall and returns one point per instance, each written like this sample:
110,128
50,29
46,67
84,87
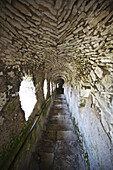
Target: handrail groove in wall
31,129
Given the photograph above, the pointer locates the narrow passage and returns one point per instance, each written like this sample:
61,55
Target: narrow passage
58,148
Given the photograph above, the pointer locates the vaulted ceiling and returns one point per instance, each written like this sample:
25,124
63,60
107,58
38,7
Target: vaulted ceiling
67,38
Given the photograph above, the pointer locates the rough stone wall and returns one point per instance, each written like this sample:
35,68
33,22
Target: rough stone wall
93,116
39,81
72,40
12,117
70,37
67,39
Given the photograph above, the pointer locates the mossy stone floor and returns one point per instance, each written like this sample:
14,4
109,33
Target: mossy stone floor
58,148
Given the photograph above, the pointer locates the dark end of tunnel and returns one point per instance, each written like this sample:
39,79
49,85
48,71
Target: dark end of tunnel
60,89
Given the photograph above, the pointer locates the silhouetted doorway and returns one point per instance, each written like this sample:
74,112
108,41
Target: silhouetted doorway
60,89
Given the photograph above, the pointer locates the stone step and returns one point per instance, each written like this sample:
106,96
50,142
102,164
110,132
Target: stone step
61,119
51,135
59,135
66,135
46,145
57,127
59,112
60,107
45,161
58,148
67,156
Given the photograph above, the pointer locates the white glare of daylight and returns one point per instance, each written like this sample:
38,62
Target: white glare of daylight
57,85
45,88
50,88
54,86
27,96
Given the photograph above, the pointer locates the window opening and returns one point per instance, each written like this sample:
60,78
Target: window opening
45,88
50,88
54,86
27,96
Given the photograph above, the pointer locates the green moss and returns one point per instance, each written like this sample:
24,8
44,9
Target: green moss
82,103
87,160
45,110
89,78
80,140
76,128
11,106
9,151
42,104
73,121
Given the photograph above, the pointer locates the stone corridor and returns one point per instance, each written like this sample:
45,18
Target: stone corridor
49,44
58,148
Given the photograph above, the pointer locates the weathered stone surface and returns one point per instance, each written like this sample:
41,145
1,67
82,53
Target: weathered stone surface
58,148
1,120
3,100
98,72
107,81
22,8
94,21
93,76
93,118
72,40
88,6
58,4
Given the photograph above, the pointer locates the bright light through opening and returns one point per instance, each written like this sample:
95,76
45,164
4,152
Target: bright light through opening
27,96
45,88
50,88
54,86
57,85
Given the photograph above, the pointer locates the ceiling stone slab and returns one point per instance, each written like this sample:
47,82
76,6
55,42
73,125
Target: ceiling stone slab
71,35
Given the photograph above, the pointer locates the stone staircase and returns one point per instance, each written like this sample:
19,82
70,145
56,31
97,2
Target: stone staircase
58,148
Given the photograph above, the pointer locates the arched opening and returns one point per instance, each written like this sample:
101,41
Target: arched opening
51,88
27,96
45,88
60,89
